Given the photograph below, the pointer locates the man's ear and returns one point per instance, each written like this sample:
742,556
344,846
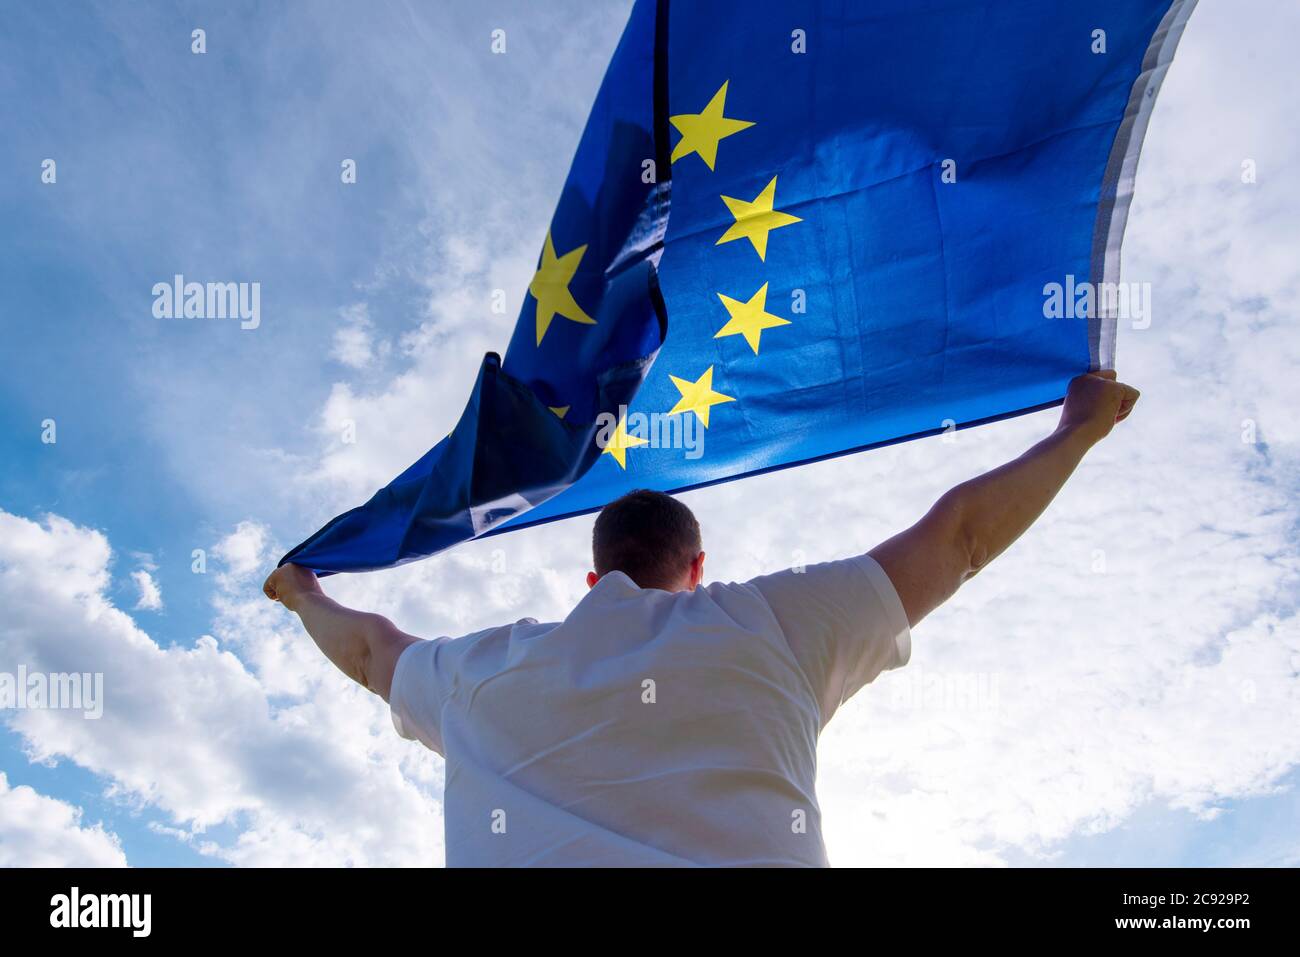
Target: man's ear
592,578
697,570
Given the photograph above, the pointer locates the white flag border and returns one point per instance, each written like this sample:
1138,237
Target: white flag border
1121,172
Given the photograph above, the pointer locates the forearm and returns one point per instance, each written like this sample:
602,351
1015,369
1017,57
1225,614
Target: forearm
342,634
996,508
364,646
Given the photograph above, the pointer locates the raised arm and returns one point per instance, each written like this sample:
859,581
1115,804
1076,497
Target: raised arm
364,646
976,521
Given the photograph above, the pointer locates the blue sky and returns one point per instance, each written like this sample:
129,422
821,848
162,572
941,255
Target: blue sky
1146,713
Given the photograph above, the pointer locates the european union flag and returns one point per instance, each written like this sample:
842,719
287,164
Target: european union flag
793,231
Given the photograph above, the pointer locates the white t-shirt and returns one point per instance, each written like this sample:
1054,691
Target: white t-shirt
650,728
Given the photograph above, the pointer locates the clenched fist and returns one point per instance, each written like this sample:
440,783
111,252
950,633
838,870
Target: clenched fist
1095,402
288,582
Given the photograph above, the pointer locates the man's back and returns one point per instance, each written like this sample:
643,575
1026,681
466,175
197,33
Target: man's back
677,724
650,728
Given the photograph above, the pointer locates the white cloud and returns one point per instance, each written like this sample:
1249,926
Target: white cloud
192,733
150,593
370,430
243,551
40,831
355,342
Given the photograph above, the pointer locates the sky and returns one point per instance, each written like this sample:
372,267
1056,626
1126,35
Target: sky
1119,688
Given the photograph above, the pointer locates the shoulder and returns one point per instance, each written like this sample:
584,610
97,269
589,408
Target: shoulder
744,602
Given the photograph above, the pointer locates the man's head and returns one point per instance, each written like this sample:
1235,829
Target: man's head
650,537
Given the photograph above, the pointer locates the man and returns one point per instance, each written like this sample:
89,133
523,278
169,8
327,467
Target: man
665,722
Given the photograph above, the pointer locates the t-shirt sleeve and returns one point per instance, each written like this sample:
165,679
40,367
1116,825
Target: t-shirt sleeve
416,695
843,621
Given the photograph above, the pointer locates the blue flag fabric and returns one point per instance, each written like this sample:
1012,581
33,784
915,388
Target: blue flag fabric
797,230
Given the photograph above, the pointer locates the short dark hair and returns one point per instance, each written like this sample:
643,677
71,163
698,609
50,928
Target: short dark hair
648,536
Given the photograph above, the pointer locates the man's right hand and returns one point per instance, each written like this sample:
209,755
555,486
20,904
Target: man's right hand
1094,403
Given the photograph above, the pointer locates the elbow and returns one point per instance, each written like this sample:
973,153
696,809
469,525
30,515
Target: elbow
362,655
978,555
359,667
972,541
376,656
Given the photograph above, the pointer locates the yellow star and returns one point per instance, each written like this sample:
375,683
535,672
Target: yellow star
755,220
560,410
619,442
698,396
550,287
702,131
749,319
